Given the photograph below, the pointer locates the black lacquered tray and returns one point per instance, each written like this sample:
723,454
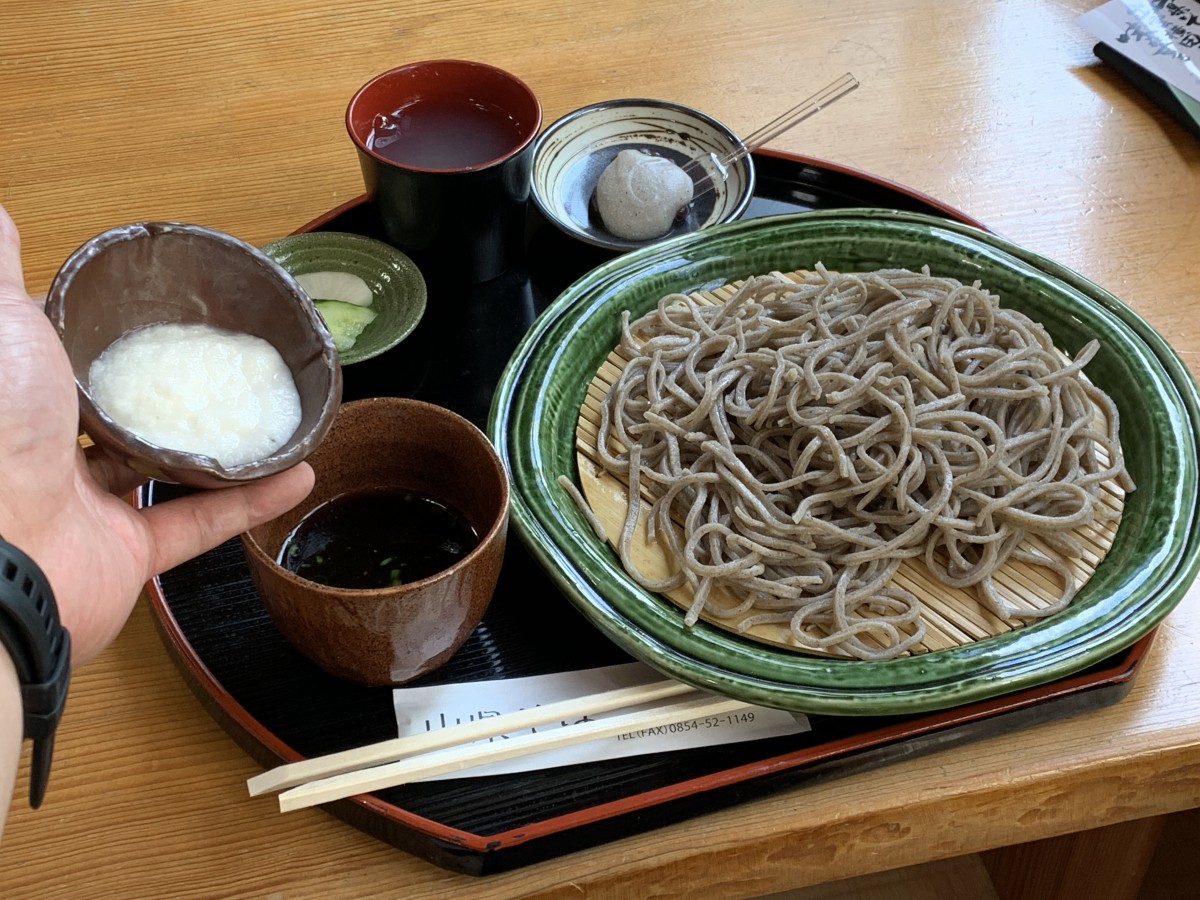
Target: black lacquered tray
280,708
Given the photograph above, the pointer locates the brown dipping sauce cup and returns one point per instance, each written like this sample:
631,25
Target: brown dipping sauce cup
390,635
446,150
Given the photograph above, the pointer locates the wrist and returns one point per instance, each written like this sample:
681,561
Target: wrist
15,529
38,649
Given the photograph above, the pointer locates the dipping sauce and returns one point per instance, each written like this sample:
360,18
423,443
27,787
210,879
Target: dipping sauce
378,537
436,134
199,389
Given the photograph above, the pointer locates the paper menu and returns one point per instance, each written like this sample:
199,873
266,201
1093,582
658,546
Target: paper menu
424,709
1162,36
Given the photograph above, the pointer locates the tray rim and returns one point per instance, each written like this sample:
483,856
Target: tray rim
267,748
1118,671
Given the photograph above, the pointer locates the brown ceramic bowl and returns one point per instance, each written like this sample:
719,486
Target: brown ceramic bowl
155,272
390,635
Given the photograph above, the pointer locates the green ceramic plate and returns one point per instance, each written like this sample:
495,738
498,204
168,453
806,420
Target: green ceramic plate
396,283
1151,564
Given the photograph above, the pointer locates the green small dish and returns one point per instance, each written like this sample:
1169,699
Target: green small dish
1155,557
397,286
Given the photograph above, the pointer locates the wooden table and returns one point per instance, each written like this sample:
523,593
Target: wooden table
230,114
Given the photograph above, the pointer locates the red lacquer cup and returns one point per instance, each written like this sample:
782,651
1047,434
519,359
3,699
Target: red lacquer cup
446,148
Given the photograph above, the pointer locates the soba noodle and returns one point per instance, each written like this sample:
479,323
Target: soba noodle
811,437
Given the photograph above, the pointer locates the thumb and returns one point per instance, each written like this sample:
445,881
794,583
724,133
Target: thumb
183,528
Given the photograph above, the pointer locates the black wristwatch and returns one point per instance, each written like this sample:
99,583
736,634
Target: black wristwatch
41,653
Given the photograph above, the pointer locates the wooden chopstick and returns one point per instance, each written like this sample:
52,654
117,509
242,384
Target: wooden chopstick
455,759
292,774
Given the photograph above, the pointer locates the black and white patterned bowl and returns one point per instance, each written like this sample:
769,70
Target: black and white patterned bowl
573,151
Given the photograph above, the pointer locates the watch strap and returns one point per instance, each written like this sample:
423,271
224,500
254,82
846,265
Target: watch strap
40,648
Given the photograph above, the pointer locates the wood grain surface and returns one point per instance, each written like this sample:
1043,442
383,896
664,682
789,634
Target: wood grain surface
230,115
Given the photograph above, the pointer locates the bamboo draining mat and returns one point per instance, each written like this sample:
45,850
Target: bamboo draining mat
953,617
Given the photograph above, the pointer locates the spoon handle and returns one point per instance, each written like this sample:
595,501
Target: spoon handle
793,117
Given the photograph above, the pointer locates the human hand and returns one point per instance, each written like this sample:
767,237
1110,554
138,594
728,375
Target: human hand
64,507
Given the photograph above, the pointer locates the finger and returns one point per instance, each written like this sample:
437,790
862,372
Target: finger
12,282
183,528
111,473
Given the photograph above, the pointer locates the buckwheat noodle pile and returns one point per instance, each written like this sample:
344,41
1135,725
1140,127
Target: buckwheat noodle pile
809,438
